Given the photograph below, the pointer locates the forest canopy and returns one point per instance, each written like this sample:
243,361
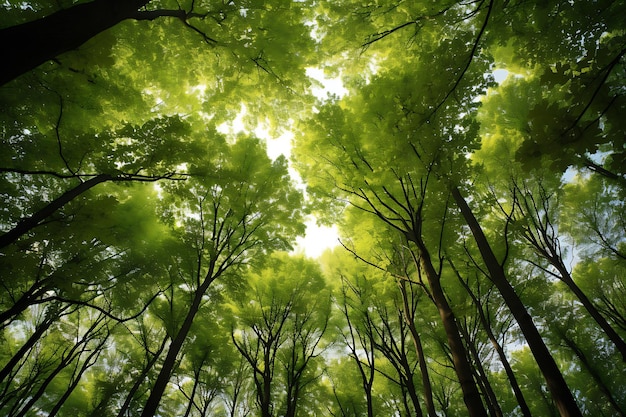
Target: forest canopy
473,161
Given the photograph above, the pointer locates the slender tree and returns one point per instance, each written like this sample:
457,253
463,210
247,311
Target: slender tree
233,220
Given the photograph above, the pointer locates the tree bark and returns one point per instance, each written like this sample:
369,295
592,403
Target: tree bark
23,352
409,317
266,393
559,390
593,372
175,347
144,373
88,363
481,375
73,354
500,351
28,45
619,343
462,367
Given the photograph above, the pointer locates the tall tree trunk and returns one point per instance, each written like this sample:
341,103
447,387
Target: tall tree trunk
28,223
175,347
89,361
26,46
481,375
517,391
29,344
462,367
196,383
559,390
32,296
141,378
73,354
411,389
591,309
266,391
409,318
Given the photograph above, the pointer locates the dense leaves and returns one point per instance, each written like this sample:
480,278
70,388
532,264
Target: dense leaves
473,163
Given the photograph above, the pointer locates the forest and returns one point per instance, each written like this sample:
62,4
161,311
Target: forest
473,161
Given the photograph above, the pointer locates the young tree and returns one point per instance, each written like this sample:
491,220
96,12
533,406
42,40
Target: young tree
224,221
539,228
279,318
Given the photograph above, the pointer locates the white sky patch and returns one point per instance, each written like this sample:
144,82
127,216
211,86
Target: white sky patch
316,239
235,126
330,86
500,75
276,146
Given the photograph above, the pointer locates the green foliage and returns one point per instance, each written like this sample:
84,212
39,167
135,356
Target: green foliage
190,225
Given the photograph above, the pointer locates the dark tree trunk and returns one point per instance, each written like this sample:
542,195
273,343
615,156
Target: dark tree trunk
30,297
561,393
141,378
481,375
500,351
462,367
266,391
409,317
74,354
593,372
175,347
30,343
26,46
91,359
196,383
28,223
411,389
591,309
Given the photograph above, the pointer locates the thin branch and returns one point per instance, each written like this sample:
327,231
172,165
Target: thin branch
469,60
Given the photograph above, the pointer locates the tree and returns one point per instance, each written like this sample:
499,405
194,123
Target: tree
224,221
401,196
279,318
539,229
144,150
482,308
561,393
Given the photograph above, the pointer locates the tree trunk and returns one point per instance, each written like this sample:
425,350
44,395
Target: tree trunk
561,393
409,317
410,387
74,354
498,348
141,378
32,296
30,343
462,367
28,223
175,347
196,382
481,375
28,45
89,362
266,392
594,374
592,310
